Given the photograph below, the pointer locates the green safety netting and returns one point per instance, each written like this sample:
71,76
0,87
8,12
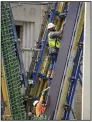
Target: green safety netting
11,64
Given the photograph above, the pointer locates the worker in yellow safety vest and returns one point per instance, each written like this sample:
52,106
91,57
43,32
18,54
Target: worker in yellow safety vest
54,38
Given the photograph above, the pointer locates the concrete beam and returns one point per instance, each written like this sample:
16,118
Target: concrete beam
86,66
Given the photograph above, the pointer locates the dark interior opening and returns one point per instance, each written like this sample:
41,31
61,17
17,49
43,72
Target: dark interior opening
18,31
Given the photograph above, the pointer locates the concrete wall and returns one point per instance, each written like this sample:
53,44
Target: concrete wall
29,17
28,13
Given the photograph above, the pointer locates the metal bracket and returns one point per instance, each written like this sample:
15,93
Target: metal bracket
61,15
66,107
30,50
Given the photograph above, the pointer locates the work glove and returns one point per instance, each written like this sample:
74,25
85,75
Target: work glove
43,93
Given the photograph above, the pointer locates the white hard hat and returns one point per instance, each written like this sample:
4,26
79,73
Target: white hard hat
50,25
35,102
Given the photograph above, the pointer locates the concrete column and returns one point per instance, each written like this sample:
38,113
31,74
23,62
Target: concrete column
86,66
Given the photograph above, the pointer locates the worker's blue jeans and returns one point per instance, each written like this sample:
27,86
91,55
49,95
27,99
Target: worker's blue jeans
52,65
53,61
53,57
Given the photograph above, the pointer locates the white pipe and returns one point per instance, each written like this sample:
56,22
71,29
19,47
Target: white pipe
30,49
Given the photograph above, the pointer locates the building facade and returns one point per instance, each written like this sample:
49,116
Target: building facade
27,19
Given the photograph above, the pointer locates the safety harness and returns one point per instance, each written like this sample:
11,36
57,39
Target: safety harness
53,42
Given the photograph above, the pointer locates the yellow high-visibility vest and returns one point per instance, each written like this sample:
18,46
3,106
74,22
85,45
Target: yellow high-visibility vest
53,42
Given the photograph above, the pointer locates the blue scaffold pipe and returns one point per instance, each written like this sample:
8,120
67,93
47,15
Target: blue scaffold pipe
75,75
43,47
71,94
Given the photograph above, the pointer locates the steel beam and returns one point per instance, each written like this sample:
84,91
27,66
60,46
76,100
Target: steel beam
62,57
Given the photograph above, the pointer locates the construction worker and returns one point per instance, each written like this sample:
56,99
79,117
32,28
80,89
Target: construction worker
54,38
40,105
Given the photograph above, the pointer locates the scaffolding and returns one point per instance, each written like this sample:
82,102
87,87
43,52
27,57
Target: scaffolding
67,69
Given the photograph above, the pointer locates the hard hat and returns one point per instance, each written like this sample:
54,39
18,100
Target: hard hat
35,102
50,25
